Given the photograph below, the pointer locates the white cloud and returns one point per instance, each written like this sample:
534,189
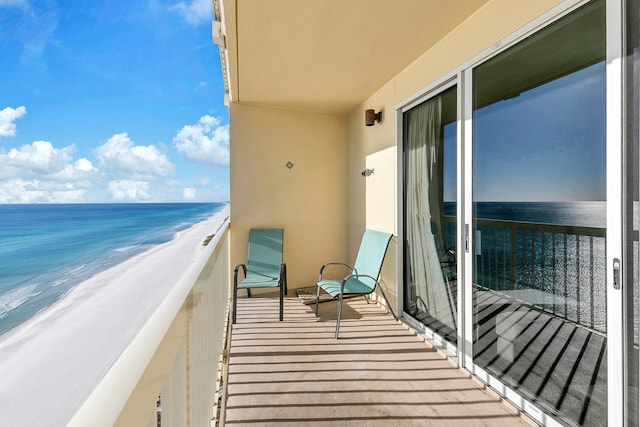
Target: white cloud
84,164
8,116
189,193
36,191
39,157
135,161
41,160
200,86
196,12
41,173
206,142
127,190
117,170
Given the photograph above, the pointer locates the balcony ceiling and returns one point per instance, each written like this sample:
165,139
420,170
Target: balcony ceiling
328,56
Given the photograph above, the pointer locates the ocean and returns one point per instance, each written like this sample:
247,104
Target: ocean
47,249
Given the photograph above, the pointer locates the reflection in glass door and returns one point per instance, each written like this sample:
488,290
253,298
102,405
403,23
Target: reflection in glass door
539,217
430,213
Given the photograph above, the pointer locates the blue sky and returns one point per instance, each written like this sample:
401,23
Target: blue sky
118,101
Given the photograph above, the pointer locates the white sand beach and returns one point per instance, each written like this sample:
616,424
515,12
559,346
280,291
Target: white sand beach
50,363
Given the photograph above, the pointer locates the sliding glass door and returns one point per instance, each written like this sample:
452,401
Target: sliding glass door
539,217
631,211
429,153
549,263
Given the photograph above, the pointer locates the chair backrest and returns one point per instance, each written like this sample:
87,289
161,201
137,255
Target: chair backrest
371,255
265,251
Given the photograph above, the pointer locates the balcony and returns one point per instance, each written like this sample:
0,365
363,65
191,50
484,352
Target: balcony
292,372
379,372
182,369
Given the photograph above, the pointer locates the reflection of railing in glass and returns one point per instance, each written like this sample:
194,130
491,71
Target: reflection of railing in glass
556,269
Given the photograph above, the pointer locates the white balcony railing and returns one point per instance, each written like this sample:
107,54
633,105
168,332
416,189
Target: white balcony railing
151,330
175,357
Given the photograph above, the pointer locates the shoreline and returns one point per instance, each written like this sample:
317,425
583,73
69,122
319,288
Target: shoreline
67,347
116,269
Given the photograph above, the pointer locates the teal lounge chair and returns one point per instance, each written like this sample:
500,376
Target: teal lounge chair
264,268
363,278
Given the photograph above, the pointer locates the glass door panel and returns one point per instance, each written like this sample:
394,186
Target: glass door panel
539,217
429,150
631,222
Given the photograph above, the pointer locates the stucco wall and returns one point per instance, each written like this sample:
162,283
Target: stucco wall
308,200
323,198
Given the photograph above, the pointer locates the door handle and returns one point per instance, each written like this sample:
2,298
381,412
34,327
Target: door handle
616,274
466,238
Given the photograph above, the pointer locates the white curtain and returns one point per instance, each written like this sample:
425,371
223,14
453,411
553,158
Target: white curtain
423,163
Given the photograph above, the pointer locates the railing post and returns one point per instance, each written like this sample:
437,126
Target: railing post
566,276
513,241
542,272
578,277
553,271
591,284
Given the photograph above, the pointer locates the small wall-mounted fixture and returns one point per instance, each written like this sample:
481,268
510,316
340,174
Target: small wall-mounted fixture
289,165
371,117
367,172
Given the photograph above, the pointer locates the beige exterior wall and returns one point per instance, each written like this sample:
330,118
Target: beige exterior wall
309,200
324,197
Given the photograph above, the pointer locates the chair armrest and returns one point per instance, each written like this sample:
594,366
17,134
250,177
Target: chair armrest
235,273
354,276
333,263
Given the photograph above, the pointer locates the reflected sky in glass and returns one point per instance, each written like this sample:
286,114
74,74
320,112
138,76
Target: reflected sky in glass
547,144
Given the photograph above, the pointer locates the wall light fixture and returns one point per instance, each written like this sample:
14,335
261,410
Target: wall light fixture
371,117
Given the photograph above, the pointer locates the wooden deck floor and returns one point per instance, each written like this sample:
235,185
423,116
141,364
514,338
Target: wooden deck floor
378,373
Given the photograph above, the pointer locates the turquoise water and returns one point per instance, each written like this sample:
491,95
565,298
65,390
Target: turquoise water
45,250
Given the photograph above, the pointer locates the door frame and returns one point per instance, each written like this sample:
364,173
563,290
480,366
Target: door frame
616,378
438,87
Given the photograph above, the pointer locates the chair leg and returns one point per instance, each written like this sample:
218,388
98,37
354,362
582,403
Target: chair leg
317,299
235,297
248,293
286,291
339,314
282,287
387,301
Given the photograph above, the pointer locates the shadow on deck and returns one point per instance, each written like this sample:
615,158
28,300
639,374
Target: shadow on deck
378,373
558,364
